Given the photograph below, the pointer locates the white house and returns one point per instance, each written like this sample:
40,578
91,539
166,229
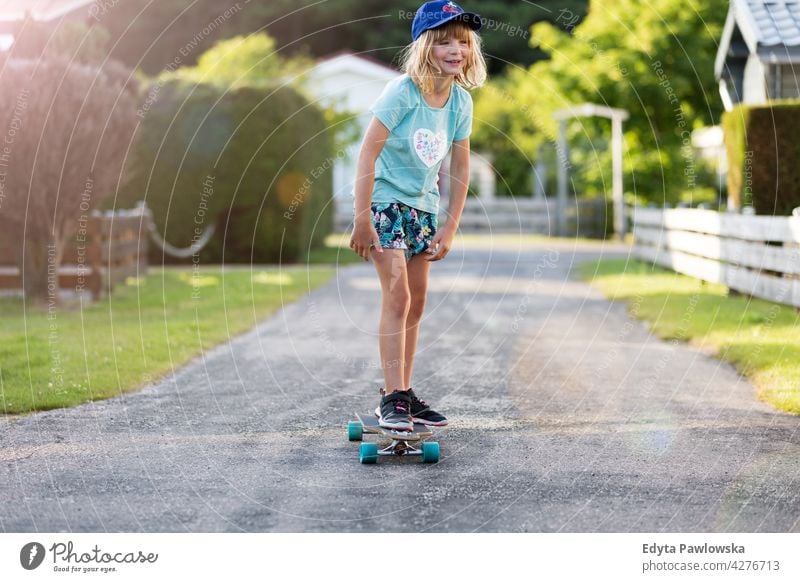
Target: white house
759,52
349,83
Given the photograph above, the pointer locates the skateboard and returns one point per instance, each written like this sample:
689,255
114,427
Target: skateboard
400,443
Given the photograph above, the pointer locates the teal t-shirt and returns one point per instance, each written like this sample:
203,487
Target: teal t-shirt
407,169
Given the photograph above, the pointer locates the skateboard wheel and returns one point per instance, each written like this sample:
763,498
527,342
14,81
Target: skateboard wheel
355,430
368,453
430,452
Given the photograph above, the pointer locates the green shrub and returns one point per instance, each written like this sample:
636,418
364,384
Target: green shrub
763,153
254,161
513,173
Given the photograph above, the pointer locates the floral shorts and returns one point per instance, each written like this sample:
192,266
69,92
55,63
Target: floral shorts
402,227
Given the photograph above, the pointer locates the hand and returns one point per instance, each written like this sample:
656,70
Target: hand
365,238
441,244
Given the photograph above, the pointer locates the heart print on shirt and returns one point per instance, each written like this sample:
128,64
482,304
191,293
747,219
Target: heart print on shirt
430,147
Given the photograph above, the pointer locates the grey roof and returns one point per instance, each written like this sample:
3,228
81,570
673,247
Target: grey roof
767,22
769,29
777,22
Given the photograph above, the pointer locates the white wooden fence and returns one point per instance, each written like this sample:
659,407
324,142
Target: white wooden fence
584,217
754,255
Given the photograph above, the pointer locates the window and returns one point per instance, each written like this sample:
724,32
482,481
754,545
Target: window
783,81
789,79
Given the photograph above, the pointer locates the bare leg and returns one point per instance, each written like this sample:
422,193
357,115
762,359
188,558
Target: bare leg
417,269
395,302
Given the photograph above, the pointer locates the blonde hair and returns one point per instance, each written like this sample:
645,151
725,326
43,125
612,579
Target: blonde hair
417,58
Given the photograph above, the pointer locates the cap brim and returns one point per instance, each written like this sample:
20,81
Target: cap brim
472,19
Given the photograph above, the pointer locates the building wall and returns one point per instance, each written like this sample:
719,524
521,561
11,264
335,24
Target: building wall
349,84
755,81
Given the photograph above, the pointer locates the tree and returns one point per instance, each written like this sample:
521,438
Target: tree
239,116
35,40
654,59
252,161
153,34
67,128
254,61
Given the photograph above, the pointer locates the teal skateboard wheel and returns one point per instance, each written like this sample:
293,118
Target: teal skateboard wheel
368,453
430,452
355,430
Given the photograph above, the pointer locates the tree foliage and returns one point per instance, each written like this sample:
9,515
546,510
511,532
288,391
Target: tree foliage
68,38
252,161
654,59
240,117
67,129
254,61
251,60
151,35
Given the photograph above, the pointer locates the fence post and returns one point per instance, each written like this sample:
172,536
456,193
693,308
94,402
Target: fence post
616,157
539,175
563,160
94,255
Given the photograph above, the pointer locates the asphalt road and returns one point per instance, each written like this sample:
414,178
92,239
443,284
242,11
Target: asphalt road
567,416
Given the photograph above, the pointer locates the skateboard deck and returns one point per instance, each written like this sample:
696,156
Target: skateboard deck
370,423
395,442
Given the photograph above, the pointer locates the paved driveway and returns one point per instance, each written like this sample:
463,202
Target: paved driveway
567,415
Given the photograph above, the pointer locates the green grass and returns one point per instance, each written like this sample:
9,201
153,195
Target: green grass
522,239
759,337
337,251
144,330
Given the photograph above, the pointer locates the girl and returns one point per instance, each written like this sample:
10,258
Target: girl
417,119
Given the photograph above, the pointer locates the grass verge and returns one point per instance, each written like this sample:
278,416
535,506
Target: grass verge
760,338
337,251
53,358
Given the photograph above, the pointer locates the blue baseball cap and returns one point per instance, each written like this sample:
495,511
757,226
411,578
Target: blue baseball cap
435,14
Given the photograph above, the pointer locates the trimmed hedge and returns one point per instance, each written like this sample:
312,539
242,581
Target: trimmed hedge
764,157
255,161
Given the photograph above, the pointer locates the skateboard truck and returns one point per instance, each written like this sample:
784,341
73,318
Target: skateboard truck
400,441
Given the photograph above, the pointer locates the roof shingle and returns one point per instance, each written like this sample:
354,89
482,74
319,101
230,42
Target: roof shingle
777,21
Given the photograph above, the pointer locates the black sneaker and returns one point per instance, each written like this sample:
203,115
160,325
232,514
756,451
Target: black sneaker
394,411
423,414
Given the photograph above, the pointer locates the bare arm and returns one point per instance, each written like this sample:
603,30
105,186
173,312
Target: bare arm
459,180
459,184
364,232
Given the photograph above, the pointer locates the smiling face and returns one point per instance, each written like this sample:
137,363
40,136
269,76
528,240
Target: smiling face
451,47
452,50
450,55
